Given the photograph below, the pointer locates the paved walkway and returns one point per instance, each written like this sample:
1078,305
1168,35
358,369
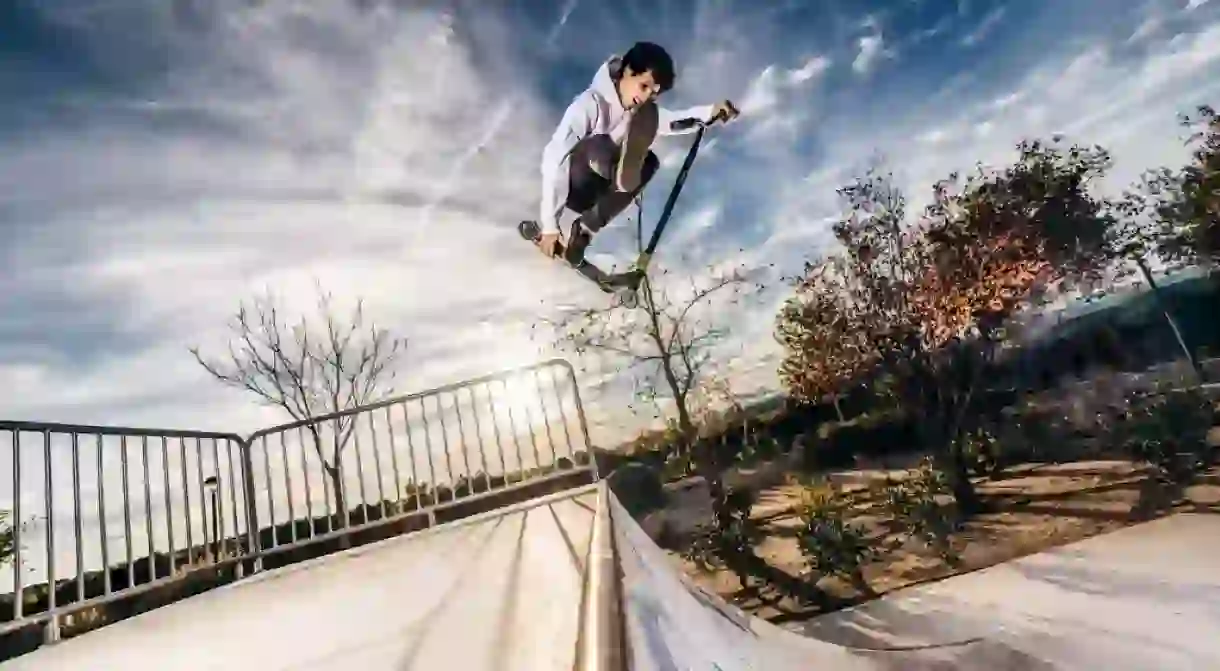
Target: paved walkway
1145,597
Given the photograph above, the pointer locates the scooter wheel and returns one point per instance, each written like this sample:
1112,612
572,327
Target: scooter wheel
528,230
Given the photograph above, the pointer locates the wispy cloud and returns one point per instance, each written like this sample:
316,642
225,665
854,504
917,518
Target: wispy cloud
161,162
388,152
984,27
871,49
813,67
380,149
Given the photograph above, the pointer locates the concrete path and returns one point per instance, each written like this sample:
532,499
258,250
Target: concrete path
1146,597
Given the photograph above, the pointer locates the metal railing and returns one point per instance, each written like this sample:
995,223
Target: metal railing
320,478
97,513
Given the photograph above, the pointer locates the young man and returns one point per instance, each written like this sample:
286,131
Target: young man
600,156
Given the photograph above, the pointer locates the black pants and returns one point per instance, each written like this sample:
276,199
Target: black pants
591,194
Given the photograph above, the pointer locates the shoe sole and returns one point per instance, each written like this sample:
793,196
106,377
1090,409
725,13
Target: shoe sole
640,134
574,249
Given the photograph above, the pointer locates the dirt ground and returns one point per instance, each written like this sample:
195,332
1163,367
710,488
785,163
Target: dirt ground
1035,507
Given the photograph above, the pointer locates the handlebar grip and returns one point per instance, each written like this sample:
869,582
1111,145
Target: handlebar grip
683,124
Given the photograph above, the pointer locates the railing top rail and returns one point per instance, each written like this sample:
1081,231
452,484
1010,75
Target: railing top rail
54,427
403,398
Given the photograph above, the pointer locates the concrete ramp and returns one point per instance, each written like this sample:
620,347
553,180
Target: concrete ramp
673,625
528,588
570,581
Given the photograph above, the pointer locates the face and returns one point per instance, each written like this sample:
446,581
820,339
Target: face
636,89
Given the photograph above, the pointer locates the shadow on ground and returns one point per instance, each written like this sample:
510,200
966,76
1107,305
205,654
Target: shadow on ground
1097,604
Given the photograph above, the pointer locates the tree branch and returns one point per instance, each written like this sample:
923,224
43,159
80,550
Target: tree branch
316,377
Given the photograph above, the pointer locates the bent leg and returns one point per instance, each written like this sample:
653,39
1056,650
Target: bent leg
592,163
592,160
596,160
613,202
641,131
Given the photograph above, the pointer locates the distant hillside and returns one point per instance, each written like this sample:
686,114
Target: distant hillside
1125,331
1137,305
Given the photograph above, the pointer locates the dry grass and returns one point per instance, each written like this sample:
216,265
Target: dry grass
1036,507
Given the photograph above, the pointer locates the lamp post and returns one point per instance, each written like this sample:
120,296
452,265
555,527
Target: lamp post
1137,254
211,485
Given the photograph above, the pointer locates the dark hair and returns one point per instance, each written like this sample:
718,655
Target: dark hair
645,56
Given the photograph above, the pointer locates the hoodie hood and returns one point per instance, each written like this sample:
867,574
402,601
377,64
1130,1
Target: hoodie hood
604,86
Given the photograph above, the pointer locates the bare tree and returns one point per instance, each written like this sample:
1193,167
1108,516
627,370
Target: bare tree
670,336
310,369
669,340
670,345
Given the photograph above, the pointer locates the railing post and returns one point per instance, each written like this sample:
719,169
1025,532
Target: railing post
50,633
252,526
580,414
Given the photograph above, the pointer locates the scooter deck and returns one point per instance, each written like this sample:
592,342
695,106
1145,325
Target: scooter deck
607,282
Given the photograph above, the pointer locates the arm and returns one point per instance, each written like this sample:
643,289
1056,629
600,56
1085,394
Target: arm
667,117
576,125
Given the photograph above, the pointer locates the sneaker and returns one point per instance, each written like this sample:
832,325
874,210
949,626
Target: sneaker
578,240
641,131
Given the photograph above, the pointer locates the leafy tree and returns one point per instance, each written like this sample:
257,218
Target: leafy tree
918,309
1176,213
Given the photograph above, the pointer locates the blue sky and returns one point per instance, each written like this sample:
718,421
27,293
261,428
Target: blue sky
161,160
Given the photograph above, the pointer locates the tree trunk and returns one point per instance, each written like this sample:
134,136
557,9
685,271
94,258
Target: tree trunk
953,465
938,432
703,457
341,520
834,397
335,474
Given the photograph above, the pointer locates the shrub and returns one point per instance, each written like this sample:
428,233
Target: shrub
912,501
1169,432
982,452
825,454
728,543
830,544
639,488
838,444
8,538
676,467
768,447
762,447
1030,432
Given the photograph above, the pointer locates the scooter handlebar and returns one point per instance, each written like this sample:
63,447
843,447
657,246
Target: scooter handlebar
692,122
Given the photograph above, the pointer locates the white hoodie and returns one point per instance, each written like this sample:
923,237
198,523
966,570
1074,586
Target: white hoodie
597,110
